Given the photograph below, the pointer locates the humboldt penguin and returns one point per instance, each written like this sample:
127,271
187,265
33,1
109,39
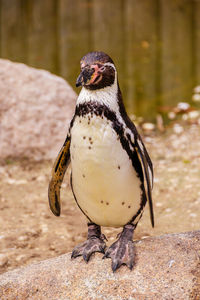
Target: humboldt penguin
111,171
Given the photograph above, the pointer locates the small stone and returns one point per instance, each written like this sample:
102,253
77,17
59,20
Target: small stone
41,178
16,182
171,115
193,114
193,215
183,106
196,98
23,238
3,260
20,257
197,90
178,128
44,228
158,204
148,127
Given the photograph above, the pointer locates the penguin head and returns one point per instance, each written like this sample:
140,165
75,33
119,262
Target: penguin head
97,71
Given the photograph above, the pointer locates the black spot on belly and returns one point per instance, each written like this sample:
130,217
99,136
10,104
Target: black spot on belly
83,175
101,201
84,137
129,206
107,203
123,203
119,167
89,147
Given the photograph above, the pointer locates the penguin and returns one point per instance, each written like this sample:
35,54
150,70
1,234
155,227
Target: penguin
111,171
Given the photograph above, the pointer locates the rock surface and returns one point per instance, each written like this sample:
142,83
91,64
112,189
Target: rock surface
35,109
167,267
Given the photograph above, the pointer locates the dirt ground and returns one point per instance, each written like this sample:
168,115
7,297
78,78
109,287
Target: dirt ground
29,232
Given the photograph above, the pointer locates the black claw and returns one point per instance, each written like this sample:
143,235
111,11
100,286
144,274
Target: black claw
115,266
75,254
105,256
130,266
86,257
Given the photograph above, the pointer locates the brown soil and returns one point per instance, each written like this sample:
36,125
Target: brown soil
30,232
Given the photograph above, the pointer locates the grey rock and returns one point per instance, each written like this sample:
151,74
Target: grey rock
167,267
35,109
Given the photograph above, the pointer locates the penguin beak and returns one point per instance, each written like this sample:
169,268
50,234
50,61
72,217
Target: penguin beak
79,80
84,77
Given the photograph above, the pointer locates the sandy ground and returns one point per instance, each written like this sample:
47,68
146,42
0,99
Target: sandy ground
29,232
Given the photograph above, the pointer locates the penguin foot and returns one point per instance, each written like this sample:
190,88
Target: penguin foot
94,243
89,247
122,251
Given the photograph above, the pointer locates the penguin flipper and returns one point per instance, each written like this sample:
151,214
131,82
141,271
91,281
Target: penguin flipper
58,172
147,170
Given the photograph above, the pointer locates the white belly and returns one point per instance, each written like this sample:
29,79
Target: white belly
105,183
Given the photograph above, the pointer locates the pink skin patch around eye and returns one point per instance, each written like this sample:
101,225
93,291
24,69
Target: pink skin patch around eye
97,73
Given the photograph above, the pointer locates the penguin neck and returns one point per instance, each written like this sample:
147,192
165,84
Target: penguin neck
107,96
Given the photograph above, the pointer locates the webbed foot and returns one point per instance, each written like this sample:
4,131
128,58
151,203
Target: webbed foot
94,243
122,251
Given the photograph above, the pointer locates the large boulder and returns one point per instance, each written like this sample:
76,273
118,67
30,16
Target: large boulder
35,109
167,267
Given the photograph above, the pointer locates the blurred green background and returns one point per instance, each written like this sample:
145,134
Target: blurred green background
155,43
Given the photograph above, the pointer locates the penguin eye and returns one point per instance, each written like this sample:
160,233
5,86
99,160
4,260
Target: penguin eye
102,69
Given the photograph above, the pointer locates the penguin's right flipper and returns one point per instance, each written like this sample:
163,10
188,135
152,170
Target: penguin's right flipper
58,172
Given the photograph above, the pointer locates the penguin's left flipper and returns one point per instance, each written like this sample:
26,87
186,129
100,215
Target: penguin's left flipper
122,251
58,172
147,170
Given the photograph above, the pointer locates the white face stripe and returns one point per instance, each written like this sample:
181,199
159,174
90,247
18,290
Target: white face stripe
110,65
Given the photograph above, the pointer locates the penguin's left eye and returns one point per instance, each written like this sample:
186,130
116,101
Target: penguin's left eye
102,69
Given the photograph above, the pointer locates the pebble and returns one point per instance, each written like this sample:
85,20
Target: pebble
193,215
197,89
148,127
177,128
171,115
3,260
14,181
20,257
41,178
196,98
183,106
23,238
193,114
